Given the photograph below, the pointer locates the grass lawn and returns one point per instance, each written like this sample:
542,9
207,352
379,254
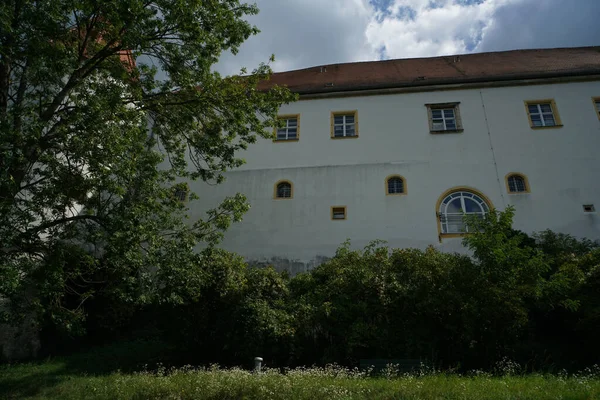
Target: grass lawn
56,379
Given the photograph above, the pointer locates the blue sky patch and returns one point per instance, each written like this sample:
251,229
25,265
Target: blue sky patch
406,13
433,4
468,2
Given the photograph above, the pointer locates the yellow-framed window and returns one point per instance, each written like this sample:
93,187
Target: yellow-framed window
444,118
288,128
395,185
516,183
338,213
344,124
543,114
283,190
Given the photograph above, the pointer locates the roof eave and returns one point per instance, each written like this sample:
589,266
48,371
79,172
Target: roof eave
452,81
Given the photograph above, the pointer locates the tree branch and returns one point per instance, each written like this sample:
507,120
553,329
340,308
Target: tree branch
80,217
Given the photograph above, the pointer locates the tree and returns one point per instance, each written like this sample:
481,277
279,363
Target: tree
79,166
510,279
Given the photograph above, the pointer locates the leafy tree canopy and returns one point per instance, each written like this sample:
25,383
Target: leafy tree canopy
78,162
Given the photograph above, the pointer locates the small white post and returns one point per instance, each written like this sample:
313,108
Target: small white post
257,363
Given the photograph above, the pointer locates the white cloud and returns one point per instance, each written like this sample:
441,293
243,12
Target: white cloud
305,33
543,24
448,28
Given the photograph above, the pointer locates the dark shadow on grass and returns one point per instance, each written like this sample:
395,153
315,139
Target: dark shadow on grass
22,380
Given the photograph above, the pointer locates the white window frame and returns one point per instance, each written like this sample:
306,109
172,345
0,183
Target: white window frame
543,115
344,124
442,108
449,220
443,120
287,128
539,112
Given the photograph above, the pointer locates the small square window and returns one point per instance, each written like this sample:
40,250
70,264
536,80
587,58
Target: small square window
181,194
338,212
589,208
344,124
444,118
288,128
542,114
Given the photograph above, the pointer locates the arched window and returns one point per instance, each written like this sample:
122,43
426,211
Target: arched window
517,183
457,204
283,190
395,184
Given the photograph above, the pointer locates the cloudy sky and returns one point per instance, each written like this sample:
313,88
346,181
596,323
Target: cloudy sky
305,33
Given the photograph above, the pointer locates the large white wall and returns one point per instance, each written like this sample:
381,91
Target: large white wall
561,164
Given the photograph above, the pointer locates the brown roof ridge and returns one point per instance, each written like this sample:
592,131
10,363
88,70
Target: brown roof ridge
391,60
516,64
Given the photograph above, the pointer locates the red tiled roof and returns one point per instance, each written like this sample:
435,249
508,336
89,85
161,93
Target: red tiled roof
482,67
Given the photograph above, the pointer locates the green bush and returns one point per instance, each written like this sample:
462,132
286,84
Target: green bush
532,299
519,297
235,314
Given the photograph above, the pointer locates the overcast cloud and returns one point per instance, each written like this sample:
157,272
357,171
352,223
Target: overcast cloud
305,33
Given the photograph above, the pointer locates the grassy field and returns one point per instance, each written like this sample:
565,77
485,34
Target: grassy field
58,380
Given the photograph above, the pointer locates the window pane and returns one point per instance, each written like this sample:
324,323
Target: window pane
281,133
349,119
546,108
536,119
395,185
451,212
292,122
292,133
284,190
516,184
436,113
549,120
598,106
533,109
180,194
339,213
338,119
472,206
453,223
450,124
349,130
454,207
338,130
438,126
449,113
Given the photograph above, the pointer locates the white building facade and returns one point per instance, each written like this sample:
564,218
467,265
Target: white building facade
401,161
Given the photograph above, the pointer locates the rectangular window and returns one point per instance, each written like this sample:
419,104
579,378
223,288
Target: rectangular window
344,124
542,114
338,212
596,101
444,118
289,128
181,193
